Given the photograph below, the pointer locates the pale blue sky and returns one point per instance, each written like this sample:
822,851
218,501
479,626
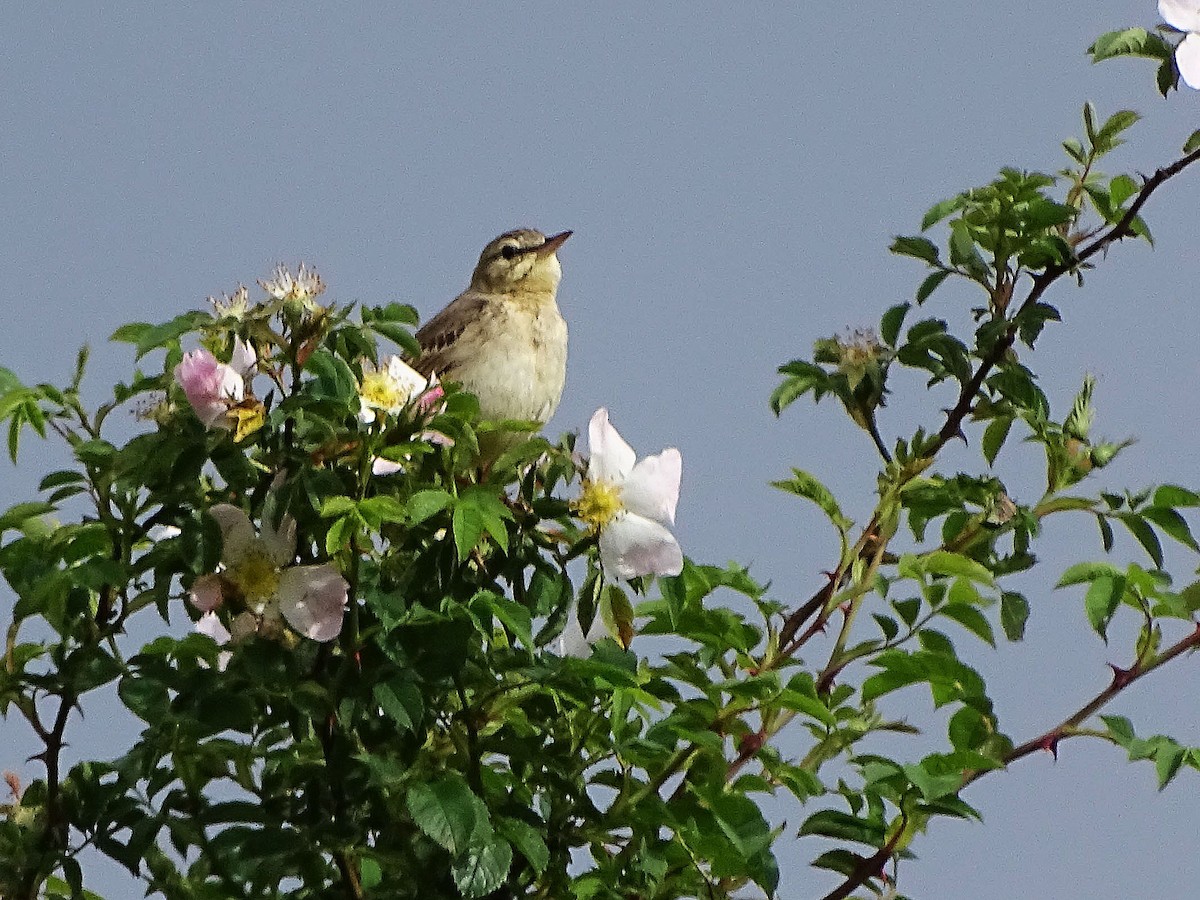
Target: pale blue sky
733,174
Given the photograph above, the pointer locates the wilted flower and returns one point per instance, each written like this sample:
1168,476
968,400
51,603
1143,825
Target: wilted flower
258,568
232,306
389,388
630,503
217,390
303,287
1185,16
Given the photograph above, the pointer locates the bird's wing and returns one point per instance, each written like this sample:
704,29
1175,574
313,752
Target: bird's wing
437,336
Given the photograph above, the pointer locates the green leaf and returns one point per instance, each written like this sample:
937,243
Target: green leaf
447,811
425,504
917,247
1120,729
512,615
1145,536
802,377
377,510
933,786
1172,524
146,698
401,699
1130,42
1167,759
943,562
1174,496
1014,613
890,324
939,211
479,510
527,840
930,284
484,867
842,826
1088,571
970,618
1192,143
1102,600
802,484
994,437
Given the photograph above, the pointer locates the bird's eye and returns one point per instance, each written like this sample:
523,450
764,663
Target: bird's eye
508,251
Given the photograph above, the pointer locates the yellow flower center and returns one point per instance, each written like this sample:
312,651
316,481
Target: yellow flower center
599,503
256,575
382,391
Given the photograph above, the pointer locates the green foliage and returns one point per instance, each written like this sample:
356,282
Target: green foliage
452,740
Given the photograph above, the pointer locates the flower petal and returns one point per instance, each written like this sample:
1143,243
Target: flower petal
313,600
611,458
243,358
573,642
280,543
207,593
1187,57
381,466
1182,14
212,626
237,532
652,488
633,545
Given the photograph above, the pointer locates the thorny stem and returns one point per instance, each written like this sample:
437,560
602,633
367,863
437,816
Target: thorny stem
953,428
1122,678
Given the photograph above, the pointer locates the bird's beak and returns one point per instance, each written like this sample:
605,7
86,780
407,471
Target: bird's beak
552,244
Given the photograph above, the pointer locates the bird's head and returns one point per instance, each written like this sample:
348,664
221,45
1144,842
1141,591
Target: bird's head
520,261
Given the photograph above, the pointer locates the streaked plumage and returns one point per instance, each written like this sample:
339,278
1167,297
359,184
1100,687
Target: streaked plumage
503,339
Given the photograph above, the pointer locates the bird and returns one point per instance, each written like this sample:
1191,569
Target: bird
503,338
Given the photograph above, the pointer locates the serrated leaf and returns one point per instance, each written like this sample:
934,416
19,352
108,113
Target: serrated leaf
917,247
1014,613
1172,524
943,562
401,699
447,811
483,868
1145,536
1174,496
425,504
994,437
970,618
1081,573
1101,601
802,484
890,324
930,284
527,840
939,211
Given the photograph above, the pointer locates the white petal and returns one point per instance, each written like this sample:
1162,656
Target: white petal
1182,14
237,533
210,625
573,642
1187,57
313,600
281,543
612,458
366,415
652,488
163,532
381,466
232,386
409,379
632,545
244,358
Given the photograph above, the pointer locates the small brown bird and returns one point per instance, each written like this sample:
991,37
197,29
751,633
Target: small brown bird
503,339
